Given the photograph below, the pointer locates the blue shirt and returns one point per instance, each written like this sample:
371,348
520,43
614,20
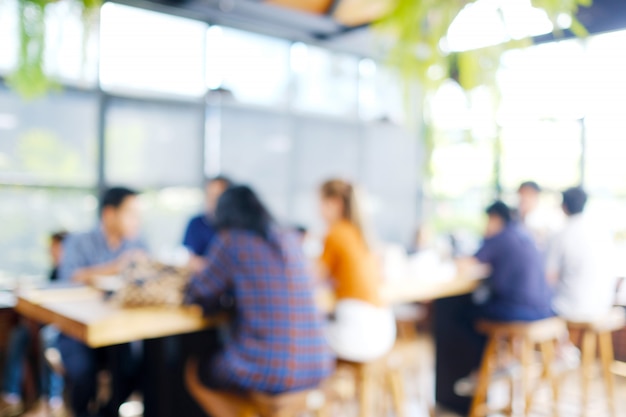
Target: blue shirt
84,250
199,235
278,342
518,281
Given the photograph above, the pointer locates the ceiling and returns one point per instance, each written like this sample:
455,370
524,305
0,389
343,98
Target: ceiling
318,21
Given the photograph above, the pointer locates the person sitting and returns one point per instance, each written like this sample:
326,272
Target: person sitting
540,222
579,264
200,231
517,289
363,328
259,272
106,250
51,384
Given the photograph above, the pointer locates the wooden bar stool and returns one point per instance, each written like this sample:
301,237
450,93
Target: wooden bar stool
377,377
525,335
291,404
599,334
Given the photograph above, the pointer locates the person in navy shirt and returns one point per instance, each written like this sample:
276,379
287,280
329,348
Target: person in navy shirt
517,288
201,230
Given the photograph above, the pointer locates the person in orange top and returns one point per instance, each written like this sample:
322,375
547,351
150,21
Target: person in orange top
363,329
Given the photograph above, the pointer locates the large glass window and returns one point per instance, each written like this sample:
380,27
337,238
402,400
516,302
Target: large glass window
257,149
151,144
166,213
380,93
8,35
147,51
254,68
323,149
30,216
545,151
48,141
326,82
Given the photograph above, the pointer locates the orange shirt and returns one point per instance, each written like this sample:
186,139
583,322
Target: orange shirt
351,264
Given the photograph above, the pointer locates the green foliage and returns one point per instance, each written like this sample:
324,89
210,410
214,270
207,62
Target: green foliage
417,27
30,79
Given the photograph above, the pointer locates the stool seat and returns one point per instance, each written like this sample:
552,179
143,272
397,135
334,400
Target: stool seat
520,339
597,336
537,331
254,404
290,403
612,322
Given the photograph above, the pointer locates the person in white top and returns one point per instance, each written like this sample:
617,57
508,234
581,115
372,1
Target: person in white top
540,221
580,264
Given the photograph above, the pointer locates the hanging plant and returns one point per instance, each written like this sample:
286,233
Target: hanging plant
29,78
417,28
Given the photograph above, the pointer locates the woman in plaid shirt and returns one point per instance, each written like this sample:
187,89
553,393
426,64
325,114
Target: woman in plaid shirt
278,342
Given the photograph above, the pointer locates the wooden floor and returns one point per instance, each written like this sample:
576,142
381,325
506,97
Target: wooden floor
570,404
418,386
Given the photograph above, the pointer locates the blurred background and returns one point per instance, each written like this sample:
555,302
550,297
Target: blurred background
160,99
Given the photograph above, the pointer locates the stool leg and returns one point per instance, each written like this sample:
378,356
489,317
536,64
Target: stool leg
366,392
548,355
588,358
527,365
607,357
397,391
484,375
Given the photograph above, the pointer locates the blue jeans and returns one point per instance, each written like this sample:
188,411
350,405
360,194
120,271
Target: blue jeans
81,367
17,352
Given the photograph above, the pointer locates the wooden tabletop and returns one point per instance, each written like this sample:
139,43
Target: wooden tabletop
83,313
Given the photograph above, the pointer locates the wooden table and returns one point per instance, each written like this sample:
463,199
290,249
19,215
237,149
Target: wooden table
84,314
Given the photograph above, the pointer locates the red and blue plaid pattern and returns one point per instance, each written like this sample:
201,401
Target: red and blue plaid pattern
278,343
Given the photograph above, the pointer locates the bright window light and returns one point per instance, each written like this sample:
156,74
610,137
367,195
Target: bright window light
254,68
492,22
153,52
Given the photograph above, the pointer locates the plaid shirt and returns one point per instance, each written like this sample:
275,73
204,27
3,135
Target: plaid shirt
278,342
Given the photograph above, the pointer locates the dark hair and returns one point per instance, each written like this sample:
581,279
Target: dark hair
115,197
574,200
500,210
227,182
530,184
301,230
58,237
240,208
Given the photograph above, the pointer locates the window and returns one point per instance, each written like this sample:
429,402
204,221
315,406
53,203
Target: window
605,123
254,68
547,151
63,56
257,149
8,35
151,52
380,93
51,141
166,213
34,214
152,144
323,149
326,82
392,176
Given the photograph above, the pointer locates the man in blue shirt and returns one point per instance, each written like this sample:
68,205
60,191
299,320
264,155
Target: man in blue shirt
517,288
200,230
106,250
